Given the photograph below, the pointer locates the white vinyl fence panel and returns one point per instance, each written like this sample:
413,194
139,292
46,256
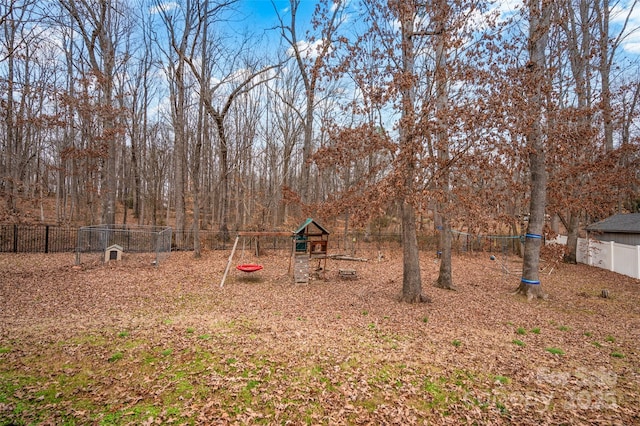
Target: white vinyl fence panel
620,258
626,260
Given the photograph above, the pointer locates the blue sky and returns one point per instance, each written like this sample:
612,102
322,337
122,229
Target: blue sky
260,14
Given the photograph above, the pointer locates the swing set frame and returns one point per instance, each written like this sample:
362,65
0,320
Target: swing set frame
244,234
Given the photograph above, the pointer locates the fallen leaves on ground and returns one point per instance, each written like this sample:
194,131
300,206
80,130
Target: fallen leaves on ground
130,343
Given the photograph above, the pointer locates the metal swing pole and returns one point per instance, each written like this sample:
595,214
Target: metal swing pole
226,271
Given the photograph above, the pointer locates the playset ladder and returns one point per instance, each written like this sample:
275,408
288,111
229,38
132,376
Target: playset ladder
301,268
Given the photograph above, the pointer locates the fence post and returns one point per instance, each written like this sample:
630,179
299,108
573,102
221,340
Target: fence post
15,238
638,262
46,239
611,256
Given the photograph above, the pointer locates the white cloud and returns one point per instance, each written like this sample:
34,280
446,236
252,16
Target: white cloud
619,14
632,47
163,7
307,50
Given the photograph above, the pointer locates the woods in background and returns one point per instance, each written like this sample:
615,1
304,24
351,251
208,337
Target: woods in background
183,113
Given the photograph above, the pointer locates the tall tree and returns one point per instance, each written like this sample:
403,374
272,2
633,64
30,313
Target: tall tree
140,86
311,58
285,131
608,45
441,18
382,63
17,37
408,150
101,23
575,23
179,23
539,12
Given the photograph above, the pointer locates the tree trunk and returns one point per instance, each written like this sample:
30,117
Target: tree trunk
9,180
539,21
411,278
180,144
224,176
445,278
530,283
603,16
570,255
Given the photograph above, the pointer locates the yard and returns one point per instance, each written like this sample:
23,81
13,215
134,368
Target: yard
129,343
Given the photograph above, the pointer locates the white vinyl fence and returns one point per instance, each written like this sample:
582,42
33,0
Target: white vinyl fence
615,257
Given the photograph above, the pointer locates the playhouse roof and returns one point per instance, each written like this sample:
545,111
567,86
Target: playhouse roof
620,223
308,222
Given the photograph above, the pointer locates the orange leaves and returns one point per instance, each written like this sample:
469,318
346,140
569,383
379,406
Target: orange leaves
350,145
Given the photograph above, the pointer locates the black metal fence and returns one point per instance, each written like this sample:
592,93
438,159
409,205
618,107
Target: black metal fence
57,239
37,239
61,239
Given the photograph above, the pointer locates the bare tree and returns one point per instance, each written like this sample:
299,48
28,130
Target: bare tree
140,87
16,38
179,32
101,24
311,58
608,46
286,127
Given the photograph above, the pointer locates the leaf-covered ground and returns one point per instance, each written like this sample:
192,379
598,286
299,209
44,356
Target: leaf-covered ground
129,343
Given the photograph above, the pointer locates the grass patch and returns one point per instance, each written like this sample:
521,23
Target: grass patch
136,415
191,330
521,331
166,352
617,355
456,343
596,344
501,379
518,343
588,334
555,351
535,330
564,328
123,334
4,350
440,397
204,337
117,356
425,320
610,339
502,408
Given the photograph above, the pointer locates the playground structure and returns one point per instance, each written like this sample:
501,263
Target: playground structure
309,241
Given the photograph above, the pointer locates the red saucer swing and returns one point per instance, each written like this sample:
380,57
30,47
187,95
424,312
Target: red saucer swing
249,267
